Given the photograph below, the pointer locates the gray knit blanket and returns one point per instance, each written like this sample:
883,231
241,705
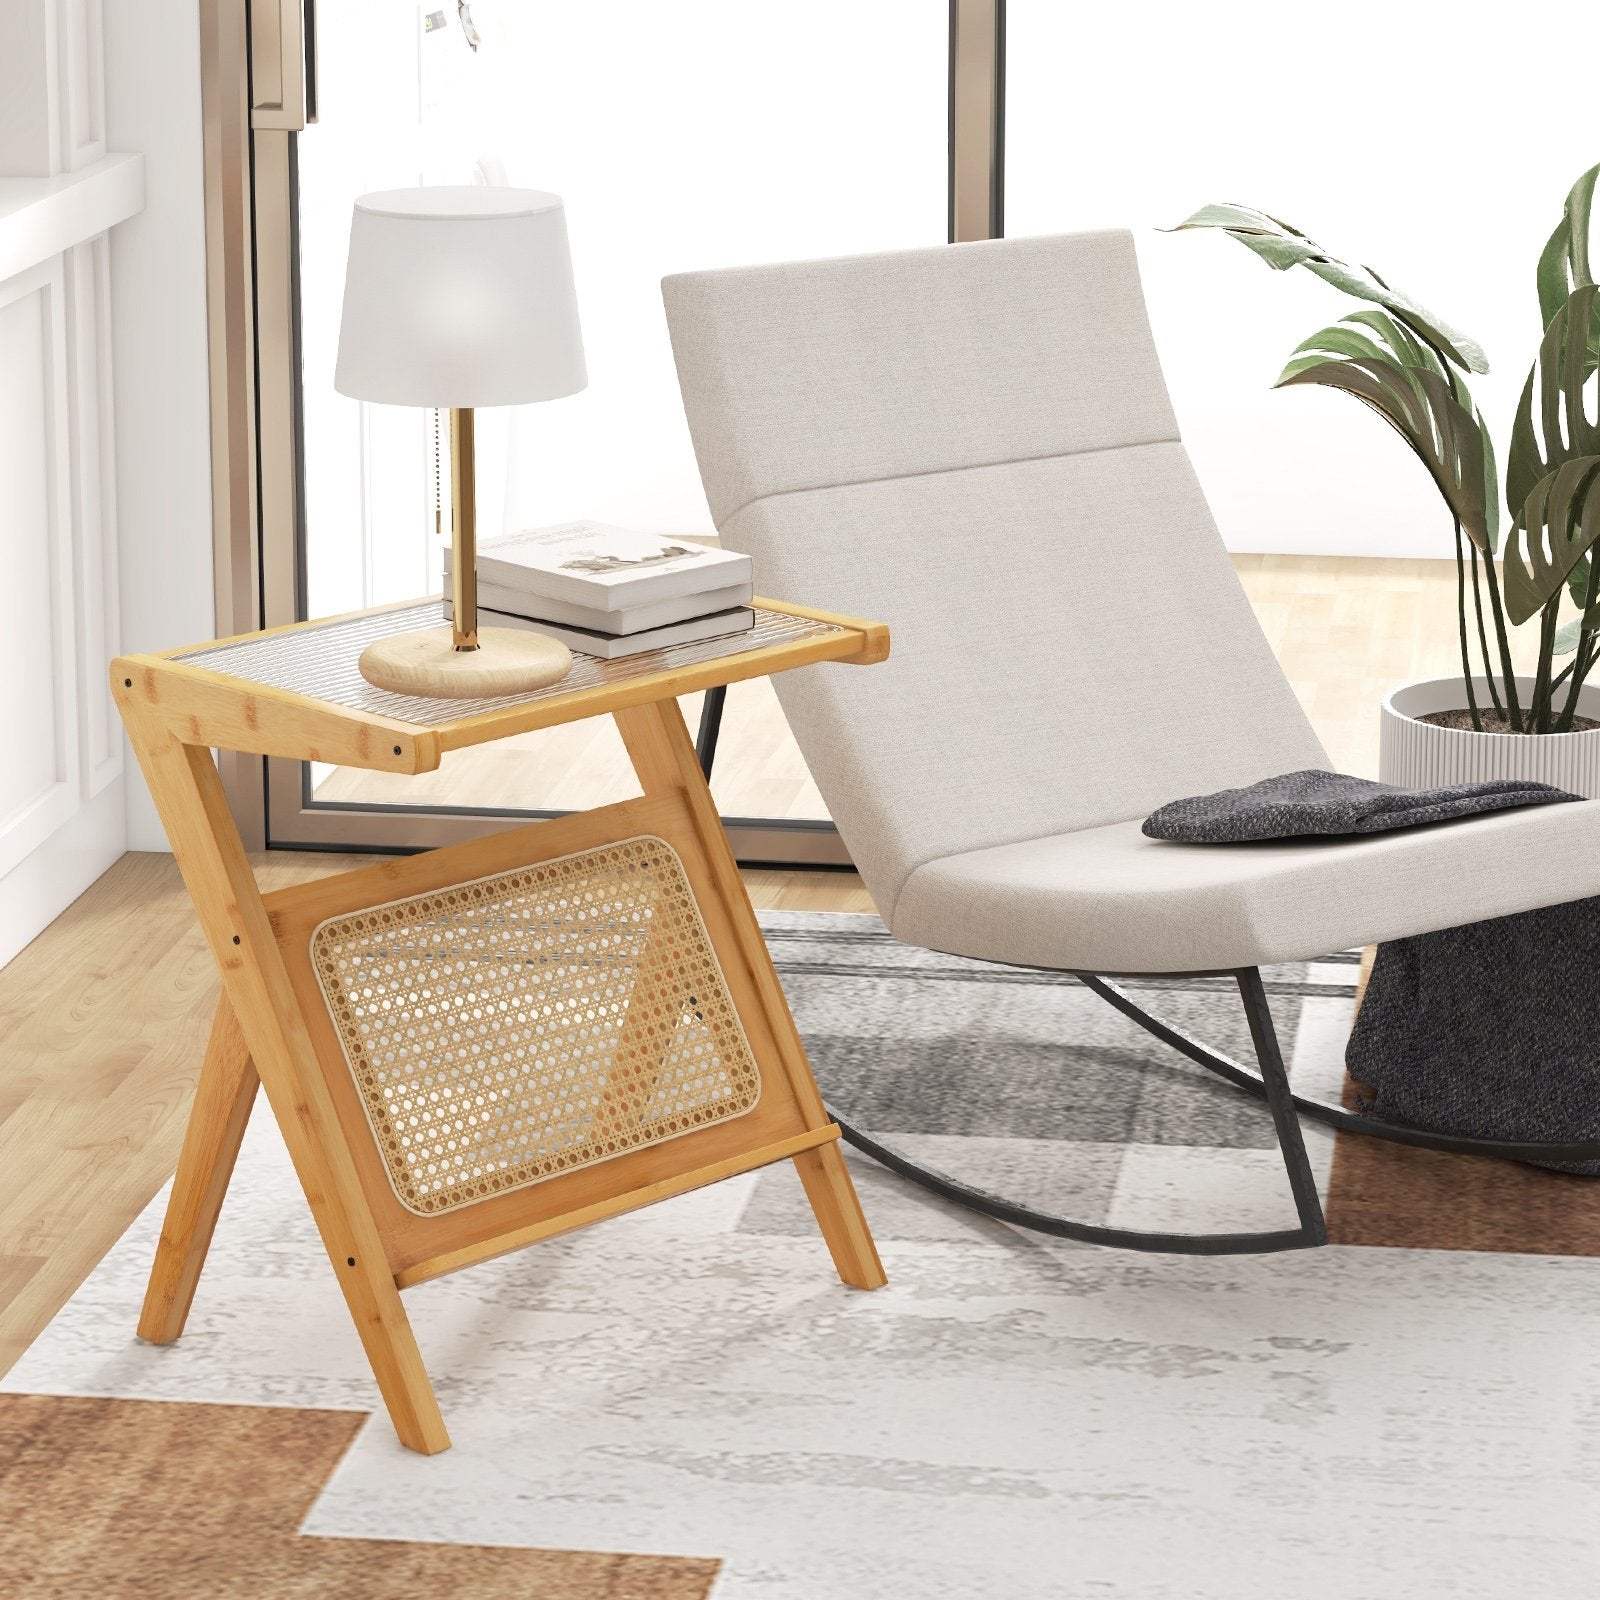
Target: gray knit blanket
1486,1031
1313,802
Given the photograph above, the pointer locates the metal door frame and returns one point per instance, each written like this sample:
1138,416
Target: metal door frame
258,91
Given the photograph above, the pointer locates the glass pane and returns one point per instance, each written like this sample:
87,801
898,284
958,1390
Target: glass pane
759,771
571,768
680,136
576,767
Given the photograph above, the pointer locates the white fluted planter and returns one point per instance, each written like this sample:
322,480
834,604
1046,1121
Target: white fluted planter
1418,755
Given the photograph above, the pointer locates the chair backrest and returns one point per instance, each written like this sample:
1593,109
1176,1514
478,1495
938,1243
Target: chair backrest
974,444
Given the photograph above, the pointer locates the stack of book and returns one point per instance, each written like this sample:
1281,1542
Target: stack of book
608,592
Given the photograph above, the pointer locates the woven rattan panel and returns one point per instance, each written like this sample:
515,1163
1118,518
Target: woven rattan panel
519,1026
321,661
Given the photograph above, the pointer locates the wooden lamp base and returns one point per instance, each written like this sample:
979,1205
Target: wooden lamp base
427,663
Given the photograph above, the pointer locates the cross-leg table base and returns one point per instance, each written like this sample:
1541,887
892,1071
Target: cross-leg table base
273,1021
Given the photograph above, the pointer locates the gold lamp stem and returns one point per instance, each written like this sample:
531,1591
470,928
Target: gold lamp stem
464,529
462,663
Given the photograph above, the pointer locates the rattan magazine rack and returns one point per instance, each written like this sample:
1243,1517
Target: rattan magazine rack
488,1044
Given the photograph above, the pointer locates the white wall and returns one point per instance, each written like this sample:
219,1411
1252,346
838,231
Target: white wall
1435,143
62,784
158,296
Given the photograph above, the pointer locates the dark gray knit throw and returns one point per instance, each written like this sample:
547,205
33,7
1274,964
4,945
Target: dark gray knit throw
1491,1030
1314,802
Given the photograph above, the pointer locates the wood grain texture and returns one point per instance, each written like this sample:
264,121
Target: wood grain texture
201,707
611,1202
664,758
223,1098
858,642
1347,630
621,1182
194,810
427,663
1385,1195
826,1180
119,1498
104,1019
175,714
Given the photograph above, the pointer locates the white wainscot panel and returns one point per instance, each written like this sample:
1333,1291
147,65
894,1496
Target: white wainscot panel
39,775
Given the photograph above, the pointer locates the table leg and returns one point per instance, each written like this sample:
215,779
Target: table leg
189,796
663,756
222,1100
838,1211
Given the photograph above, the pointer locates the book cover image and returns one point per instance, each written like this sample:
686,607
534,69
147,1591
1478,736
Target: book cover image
606,563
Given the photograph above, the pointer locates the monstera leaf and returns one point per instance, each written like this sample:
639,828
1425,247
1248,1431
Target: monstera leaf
1564,262
1554,532
1551,471
1282,246
1375,358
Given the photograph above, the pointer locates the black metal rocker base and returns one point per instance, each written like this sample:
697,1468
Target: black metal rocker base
1271,1083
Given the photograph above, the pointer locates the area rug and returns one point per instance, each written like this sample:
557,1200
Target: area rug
1026,1083
685,1401
1018,1064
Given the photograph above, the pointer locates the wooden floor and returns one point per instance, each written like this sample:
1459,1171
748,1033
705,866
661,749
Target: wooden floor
104,1015
1349,630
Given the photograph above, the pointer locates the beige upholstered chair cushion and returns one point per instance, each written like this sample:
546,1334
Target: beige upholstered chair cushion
1038,681
1110,900
819,373
974,444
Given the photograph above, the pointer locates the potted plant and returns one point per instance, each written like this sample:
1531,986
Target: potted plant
1409,367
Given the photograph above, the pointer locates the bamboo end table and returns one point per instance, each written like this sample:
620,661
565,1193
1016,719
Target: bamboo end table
488,1044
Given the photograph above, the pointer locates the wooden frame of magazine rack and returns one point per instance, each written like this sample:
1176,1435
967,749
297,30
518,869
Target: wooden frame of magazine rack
272,1028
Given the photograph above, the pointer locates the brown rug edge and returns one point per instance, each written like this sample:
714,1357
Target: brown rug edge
1386,1196
188,1501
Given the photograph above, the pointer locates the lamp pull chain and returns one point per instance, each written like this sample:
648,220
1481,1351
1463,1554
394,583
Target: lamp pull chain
438,498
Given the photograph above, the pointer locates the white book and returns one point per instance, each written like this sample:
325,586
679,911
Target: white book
611,648
607,569
635,619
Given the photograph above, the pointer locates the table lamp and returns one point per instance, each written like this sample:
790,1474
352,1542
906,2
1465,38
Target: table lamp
460,297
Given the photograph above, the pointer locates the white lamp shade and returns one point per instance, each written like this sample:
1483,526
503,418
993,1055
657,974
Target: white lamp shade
459,297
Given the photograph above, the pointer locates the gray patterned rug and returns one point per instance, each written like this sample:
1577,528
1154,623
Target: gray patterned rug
1025,1083
1013,1415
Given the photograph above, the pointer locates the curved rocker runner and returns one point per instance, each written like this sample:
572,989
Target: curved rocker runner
1270,1083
